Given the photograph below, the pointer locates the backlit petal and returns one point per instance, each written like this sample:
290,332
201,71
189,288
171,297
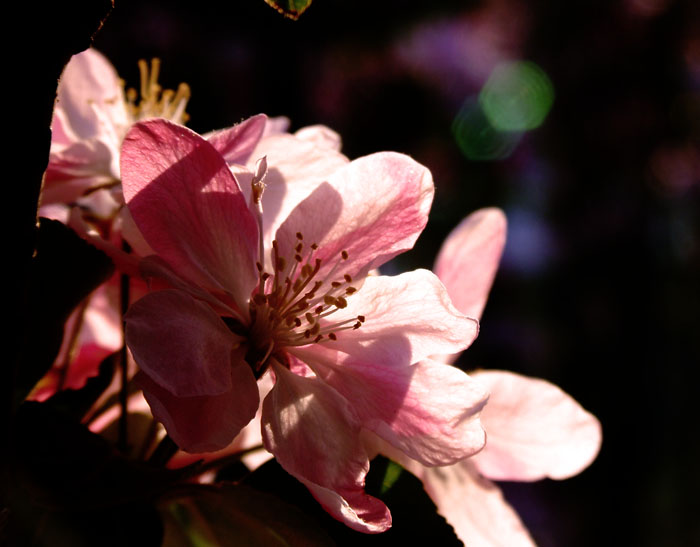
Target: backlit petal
408,317
313,433
189,208
296,167
89,86
469,257
236,143
430,410
374,208
534,430
474,506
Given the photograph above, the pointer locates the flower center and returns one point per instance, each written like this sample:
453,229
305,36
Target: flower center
292,304
156,102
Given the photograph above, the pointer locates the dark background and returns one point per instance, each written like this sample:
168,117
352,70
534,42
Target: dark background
598,289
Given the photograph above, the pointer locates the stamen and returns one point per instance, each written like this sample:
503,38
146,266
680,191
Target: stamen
156,102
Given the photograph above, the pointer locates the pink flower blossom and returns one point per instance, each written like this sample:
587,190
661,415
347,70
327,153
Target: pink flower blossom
534,430
91,118
347,350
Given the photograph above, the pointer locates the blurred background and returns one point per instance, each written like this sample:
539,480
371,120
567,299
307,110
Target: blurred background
581,120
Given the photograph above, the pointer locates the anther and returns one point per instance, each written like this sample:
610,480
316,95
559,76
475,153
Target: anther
341,303
300,237
347,278
332,336
345,255
361,318
350,290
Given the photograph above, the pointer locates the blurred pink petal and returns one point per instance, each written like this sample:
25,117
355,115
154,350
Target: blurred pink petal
535,430
474,506
469,257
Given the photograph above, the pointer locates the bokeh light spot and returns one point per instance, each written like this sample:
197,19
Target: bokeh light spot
476,136
517,96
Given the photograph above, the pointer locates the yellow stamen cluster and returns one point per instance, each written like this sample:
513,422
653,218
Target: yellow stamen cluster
291,304
156,102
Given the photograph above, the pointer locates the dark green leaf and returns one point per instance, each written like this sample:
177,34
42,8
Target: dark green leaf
290,8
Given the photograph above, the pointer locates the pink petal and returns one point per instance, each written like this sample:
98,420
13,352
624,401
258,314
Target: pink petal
296,168
204,423
429,411
153,269
407,317
181,344
374,208
534,430
189,207
276,125
89,86
471,504
236,143
469,257
314,434
474,506
321,136
249,437
75,169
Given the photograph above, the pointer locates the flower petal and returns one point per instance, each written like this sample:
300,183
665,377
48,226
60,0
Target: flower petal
181,343
237,142
321,136
204,423
474,506
314,434
534,429
469,257
189,207
89,86
407,318
428,410
374,208
296,167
